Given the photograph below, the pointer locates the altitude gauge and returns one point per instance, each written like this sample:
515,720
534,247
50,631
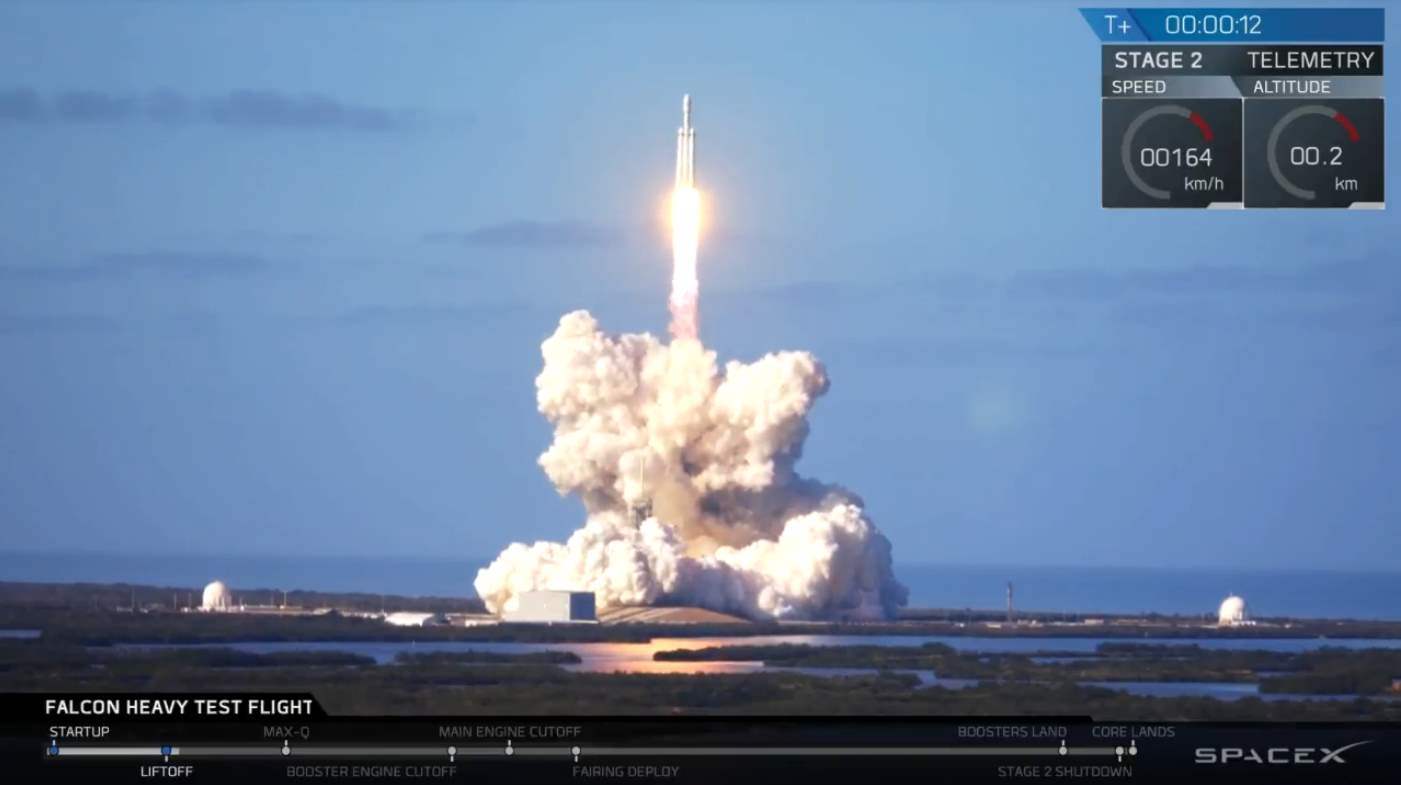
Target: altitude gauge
1314,153
1173,153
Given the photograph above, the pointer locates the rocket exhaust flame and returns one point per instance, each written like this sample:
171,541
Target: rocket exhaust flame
686,470
685,233
685,285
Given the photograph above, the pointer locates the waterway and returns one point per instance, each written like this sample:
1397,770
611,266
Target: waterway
638,657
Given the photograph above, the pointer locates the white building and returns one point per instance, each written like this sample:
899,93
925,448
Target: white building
217,597
553,606
1232,613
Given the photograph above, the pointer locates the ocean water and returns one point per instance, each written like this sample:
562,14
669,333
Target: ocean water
1302,593
1299,593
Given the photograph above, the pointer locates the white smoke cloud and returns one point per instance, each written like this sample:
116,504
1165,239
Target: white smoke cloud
686,474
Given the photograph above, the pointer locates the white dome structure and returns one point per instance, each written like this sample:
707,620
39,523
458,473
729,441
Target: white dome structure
1232,612
217,597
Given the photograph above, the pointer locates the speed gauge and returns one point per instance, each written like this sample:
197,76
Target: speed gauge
1173,153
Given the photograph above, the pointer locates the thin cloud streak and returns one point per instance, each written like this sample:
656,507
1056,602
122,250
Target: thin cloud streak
247,108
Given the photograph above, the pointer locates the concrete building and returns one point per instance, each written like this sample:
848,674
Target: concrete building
217,597
1232,613
553,606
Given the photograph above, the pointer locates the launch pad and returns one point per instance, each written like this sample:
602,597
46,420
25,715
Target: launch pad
666,614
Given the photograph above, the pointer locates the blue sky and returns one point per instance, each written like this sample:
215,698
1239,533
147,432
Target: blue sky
273,279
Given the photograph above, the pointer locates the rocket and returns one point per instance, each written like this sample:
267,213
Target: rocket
685,148
685,233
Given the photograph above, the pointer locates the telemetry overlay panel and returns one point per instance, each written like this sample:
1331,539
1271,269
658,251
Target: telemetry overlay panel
1233,108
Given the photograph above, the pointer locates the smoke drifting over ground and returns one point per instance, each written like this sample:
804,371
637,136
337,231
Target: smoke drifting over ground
686,473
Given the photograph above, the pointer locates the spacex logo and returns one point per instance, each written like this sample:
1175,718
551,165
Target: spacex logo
1275,755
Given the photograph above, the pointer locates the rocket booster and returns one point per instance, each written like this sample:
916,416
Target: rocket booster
685,148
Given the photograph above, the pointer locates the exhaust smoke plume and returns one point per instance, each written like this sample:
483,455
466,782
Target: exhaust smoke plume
686,473
686,470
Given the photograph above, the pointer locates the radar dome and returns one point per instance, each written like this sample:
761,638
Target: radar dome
1232,611
217,597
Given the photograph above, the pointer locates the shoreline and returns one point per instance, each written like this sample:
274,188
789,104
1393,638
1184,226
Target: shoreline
1186,591
95,613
